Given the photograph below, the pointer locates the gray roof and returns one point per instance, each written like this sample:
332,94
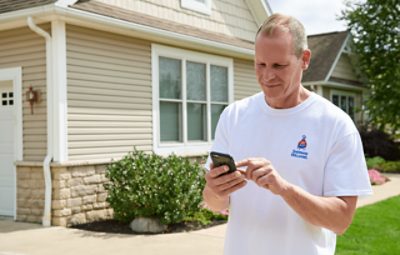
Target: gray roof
152,21
15,5
324,50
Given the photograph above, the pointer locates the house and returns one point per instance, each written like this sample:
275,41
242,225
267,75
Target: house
333,73
82,82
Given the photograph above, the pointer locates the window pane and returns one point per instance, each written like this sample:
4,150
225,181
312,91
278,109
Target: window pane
335,100
216,111
196,81
343,103
170,78
196,122
219,83
351,107
170,121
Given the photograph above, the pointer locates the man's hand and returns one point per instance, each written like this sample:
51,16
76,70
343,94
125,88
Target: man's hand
263,173
222,184
219,187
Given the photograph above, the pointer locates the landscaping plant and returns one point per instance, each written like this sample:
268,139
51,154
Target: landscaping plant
149,185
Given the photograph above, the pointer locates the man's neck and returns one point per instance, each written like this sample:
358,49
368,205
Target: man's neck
290,101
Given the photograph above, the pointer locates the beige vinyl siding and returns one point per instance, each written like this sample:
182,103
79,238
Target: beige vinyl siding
230,17
109,94
344,69
244,79
23,48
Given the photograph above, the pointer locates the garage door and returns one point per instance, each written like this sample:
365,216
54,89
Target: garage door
7,175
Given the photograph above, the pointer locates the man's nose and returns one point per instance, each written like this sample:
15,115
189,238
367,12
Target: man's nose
268,74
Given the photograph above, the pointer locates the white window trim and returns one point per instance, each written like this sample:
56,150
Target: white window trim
185,148
197,6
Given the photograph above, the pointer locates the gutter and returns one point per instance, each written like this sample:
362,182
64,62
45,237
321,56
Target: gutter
46,220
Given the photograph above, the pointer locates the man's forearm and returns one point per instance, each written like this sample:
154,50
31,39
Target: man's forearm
215,202
334,213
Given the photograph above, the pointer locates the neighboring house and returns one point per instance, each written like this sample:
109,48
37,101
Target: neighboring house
333,73
83,82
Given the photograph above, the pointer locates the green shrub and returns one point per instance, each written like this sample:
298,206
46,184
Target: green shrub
375,162
149,185
390,167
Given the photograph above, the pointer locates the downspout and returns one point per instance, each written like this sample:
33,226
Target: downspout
46,220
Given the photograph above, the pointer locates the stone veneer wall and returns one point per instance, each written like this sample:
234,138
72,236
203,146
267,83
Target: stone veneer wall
30,193
78,194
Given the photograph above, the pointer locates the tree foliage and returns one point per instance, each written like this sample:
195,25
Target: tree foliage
375,26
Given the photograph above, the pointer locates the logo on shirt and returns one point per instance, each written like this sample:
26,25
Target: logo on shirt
300,151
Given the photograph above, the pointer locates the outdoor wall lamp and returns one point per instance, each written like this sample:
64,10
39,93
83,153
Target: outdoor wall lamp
32,96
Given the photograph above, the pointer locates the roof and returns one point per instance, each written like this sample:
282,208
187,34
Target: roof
324,50
151,21
15,5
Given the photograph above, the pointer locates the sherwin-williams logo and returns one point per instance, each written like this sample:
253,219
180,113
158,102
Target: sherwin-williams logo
300,152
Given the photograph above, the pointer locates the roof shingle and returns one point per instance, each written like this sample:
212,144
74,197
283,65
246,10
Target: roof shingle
324,49
15,5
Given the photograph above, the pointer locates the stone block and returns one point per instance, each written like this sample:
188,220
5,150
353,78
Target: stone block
59,184
89,199
94,179
96,215
59,221
82,171
62,174
83,190
87,207
62,212
62,194
74,202
76,210
58,204
101,197
76,219
76,181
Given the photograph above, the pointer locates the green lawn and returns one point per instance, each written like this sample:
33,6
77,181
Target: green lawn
375,230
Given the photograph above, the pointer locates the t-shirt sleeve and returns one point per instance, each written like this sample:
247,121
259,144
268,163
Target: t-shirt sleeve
220,143
346,171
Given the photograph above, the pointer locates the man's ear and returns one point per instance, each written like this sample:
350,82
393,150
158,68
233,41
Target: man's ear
306,59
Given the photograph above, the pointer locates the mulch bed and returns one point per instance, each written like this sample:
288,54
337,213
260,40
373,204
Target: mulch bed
117,227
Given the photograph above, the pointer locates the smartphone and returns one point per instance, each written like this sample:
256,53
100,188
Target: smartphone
220,159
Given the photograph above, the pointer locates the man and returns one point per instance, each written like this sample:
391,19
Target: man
301,161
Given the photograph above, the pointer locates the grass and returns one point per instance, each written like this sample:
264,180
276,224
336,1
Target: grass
375,230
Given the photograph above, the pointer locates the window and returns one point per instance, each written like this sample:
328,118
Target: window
190,91
202,6
7,98
345,101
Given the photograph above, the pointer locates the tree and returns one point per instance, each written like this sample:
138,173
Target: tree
375,27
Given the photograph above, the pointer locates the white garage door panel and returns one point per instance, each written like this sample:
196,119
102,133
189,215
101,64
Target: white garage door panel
7,156
7,198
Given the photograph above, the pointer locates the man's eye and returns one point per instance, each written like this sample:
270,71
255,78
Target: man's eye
261,65
277,66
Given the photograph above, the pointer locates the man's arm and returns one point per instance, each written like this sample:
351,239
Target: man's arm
334,213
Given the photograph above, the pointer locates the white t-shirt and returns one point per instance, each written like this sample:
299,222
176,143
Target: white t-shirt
313,145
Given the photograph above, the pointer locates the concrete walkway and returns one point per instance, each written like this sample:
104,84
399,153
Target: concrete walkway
32,239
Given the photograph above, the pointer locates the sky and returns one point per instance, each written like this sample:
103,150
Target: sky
317,16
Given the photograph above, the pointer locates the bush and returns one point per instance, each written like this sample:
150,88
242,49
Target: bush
375,162
149,185
378,143
390,167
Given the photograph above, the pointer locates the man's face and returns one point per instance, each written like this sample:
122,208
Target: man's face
278,70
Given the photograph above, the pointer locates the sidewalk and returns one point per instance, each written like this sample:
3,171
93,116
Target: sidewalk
32,239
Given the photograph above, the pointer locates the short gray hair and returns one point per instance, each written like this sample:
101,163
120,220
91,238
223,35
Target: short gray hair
289,24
